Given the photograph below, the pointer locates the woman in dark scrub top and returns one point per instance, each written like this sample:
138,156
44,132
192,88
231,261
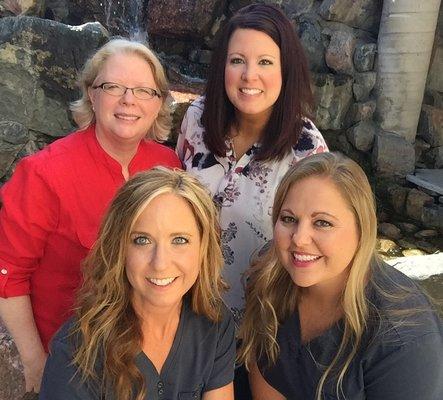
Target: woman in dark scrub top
150,323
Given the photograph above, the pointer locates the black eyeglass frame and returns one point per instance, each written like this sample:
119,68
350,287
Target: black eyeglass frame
155,93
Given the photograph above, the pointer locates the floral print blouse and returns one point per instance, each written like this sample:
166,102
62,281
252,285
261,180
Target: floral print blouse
244,191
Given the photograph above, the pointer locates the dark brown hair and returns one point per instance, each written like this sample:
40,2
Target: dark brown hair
284,126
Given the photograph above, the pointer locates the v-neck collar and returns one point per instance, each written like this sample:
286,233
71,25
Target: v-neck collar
169,362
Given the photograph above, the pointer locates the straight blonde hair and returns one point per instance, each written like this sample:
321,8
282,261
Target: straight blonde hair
81,109
272,296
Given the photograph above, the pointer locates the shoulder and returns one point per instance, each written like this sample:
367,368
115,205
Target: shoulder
404,311
55,155
161,153
202,324
65,338
310,141
195,110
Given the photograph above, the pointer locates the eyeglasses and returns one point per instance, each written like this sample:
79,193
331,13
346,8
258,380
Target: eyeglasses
115,89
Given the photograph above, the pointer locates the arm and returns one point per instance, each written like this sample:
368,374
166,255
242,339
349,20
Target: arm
262,390
413,371
16,313
223,393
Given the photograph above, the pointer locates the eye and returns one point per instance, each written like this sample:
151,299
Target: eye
236,60
287,219
265,61
321,223
180,240
141,240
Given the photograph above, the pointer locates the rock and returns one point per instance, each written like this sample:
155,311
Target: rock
438,157
389,230
407,227
392,154
413,252
180,103
415,202
364,14
13,137
333,96
362,135
420,147
426,233
177,18
361,111
397,198
430,125
295,8
432,216
426,246
201,56
311,38
364,56
39,61
406,244
363,84
385,245
339,54
12,383
22,7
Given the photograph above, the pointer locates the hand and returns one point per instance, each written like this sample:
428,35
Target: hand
33,371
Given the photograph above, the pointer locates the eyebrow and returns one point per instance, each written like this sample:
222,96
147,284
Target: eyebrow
172,234
314,214
260,55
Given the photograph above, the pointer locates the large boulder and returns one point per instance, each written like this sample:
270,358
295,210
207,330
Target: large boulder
392,155
39,63
430,125
333,96
182,18
364,14
13,137
340,52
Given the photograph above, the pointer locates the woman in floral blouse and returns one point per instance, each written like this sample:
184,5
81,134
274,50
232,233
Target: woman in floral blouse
248,129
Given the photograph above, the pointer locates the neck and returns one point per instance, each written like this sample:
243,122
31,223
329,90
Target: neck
121,151
159,321
252,125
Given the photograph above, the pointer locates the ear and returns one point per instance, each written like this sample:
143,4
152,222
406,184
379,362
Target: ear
91,95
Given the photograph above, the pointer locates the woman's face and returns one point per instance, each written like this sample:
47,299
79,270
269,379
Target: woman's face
124,119
316,234
253,77
163,256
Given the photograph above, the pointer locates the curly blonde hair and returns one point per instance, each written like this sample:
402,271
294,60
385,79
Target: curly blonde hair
107,324
81,109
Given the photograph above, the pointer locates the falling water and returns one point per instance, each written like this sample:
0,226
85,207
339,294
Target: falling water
126,18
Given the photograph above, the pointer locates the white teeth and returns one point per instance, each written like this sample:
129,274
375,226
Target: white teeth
250,91
161,282
304,257
126,117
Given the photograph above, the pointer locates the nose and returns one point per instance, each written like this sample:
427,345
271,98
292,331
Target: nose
159,258
128,97
302,234
249,72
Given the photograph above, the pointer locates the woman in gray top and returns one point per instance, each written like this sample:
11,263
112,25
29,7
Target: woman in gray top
325,319
150,322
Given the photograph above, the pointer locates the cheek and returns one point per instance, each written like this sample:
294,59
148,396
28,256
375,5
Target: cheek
282,238
230,78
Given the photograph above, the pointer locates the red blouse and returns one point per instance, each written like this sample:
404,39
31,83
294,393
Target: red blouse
49,220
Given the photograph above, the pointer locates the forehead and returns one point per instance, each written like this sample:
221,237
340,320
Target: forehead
126,67
316,194
252,40
169,211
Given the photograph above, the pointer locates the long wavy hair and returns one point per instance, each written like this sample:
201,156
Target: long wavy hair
285,124
81,109
107,325
272,296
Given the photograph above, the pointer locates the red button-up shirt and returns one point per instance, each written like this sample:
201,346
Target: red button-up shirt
52,208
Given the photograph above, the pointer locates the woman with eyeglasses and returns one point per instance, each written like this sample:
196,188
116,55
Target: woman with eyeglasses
53,204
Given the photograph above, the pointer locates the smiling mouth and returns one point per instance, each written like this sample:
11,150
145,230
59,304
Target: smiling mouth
304,257
126,117
161,282
250,91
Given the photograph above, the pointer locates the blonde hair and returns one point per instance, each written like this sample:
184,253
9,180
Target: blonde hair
272,296
82,109
107,324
